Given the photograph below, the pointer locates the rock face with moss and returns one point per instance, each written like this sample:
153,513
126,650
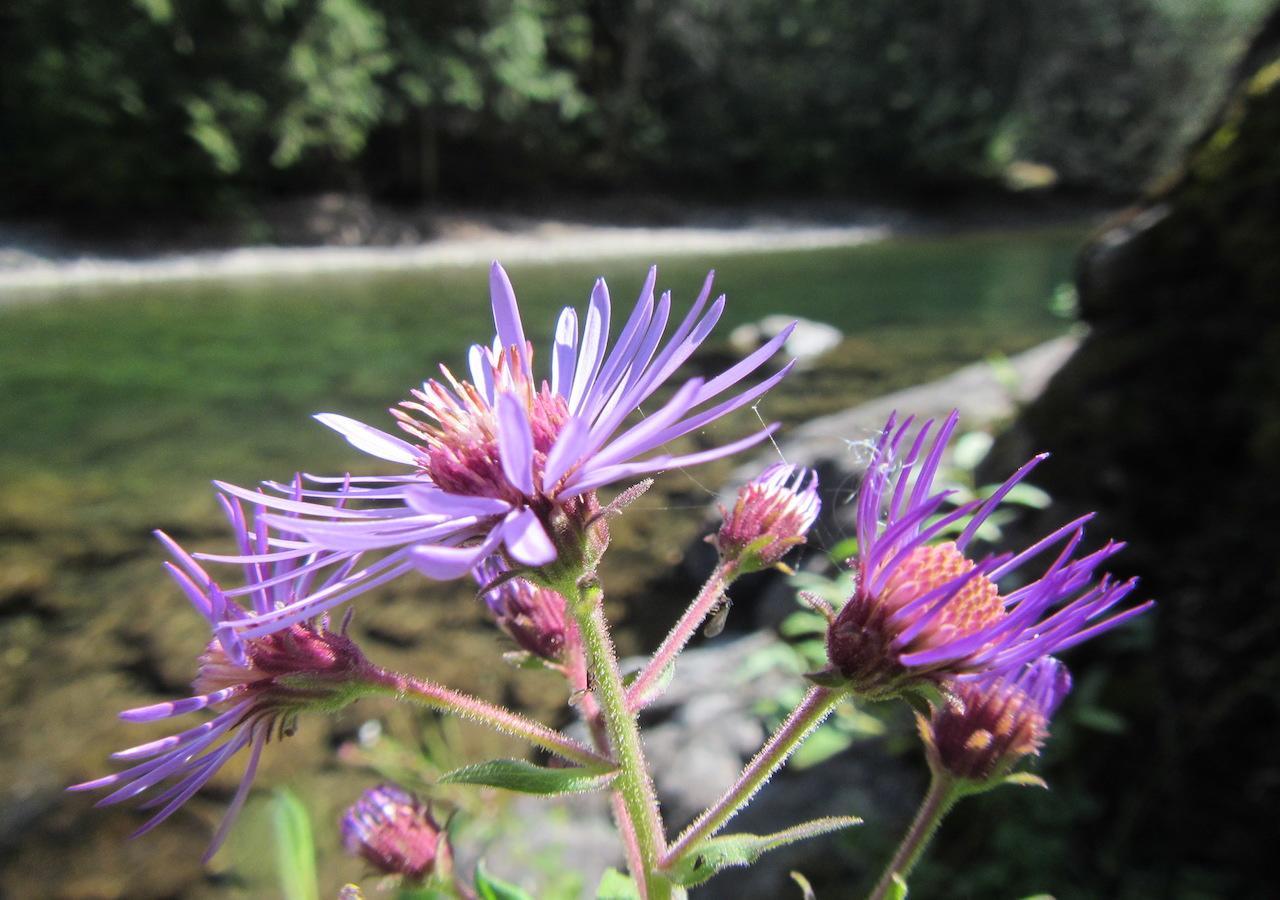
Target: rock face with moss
1168,418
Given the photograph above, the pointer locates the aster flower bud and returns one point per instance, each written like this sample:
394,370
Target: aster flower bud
987,724
394,832
772,514
534,617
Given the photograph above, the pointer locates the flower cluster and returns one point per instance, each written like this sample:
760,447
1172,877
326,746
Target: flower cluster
505,462
257,686
922,610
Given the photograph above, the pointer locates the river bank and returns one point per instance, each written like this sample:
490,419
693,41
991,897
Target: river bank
346,233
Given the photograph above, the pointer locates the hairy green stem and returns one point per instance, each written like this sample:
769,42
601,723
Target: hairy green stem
681,633
434,696
633,781
942,795
813,709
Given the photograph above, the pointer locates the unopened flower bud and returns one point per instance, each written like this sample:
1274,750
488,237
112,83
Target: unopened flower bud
989,723
534,617
394,832
772,514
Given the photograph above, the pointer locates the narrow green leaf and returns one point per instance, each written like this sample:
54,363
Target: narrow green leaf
717,853
295,849
527,778
616,886
490,888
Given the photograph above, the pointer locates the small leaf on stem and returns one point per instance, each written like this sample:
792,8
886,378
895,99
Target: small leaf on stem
703,860
527,778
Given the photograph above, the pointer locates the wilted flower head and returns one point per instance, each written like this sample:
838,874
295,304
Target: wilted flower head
987,724
773,513
394,832
923,610
508,461
257,687
534,617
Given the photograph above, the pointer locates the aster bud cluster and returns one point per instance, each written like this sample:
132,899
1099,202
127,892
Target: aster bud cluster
394,832
534,617
986,725
772,514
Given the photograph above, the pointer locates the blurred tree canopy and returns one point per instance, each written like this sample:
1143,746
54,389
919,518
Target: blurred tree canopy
161,104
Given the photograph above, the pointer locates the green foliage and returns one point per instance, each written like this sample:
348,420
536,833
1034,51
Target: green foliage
295,848
527,778
158,104
491,888
703,861
616,886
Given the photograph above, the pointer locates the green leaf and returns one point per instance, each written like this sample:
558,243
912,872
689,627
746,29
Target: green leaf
295,849
616,886
526,778
490,888
717,853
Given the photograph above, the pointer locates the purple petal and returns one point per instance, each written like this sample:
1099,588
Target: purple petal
515,444
565,452
446,563
565,353
527,540
431,501
371,440
506,314
595,336
176,707
242,793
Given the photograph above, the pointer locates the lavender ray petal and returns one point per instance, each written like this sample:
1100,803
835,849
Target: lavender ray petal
171,708
526,539
237,802
431,501
564,356
506,313
994,500
515,444
371,440
746,366
569,447
595,337
446,563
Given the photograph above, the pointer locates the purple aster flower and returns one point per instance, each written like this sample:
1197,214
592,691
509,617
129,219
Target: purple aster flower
507,462
394,832
771,514
923,610
987,724
256,687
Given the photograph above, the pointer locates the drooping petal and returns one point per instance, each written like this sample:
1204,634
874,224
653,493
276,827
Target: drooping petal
527,540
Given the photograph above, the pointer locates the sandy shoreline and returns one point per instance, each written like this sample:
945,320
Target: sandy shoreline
546,242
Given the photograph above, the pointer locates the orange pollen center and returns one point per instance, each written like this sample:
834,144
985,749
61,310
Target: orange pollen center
974,607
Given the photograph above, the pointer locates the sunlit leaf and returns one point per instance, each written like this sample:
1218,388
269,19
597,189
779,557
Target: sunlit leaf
527,778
